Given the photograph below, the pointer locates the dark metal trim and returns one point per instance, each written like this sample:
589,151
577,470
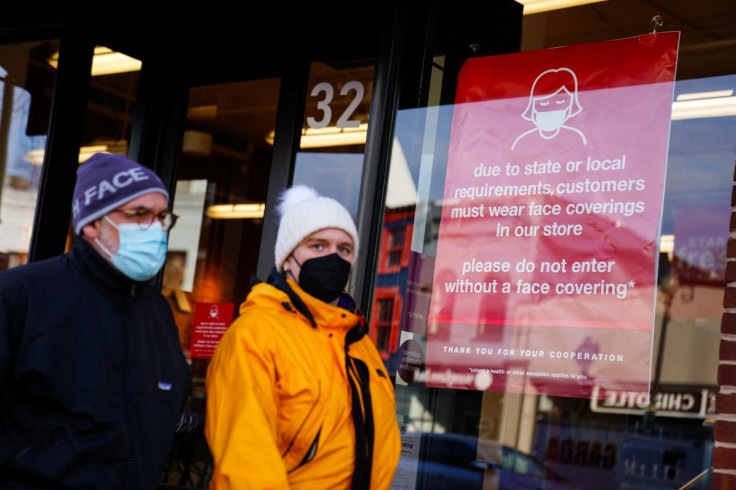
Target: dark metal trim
376,160
158,128
289,121
158,125
11,33
53,209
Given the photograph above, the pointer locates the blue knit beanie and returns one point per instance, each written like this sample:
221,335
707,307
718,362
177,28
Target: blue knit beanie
105,182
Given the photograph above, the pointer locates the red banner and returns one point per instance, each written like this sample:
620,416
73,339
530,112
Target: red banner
547,252
211,320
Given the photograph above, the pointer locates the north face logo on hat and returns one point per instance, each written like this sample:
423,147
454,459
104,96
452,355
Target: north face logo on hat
119,181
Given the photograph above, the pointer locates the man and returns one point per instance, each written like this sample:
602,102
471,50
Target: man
92,376
297,394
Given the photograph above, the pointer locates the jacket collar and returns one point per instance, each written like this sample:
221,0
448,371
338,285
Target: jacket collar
276,280
316,311
106,277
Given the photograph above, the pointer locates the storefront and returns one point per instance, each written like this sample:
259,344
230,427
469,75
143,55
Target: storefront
360,102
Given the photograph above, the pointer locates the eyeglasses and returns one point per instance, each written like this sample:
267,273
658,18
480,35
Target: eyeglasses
145,217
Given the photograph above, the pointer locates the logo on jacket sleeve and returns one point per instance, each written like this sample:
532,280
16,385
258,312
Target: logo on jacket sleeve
163,385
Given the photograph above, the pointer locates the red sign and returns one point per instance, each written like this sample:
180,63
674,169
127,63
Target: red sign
211,320
546,259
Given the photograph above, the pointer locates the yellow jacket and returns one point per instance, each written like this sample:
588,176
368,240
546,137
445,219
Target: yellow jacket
281,392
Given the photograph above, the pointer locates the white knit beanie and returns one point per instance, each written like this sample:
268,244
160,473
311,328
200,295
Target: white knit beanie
303,211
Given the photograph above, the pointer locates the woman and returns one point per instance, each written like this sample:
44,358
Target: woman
297,395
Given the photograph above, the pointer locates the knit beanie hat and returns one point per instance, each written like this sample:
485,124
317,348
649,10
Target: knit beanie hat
106,181
303,211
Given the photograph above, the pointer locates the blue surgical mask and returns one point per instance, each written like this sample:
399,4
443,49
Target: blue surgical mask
141,252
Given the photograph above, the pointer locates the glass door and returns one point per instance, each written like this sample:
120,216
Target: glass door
226,167
220,196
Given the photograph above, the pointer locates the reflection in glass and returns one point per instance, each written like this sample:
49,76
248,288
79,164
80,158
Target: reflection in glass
26,82
620,440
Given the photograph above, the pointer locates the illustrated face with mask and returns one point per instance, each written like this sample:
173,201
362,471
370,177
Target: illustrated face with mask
137,251
549,113
321,263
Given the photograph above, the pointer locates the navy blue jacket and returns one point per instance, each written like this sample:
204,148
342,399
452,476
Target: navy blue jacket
92,376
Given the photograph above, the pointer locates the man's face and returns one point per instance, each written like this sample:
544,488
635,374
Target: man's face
318,244
106,233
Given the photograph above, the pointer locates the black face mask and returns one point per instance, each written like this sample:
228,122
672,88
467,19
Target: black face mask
324,277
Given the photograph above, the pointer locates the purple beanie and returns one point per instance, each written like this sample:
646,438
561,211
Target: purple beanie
105,182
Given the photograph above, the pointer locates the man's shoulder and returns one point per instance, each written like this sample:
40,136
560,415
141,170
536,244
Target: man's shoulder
35,272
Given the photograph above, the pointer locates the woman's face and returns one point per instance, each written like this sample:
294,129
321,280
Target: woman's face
318,244
551,111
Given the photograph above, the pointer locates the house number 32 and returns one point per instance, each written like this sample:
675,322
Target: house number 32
326,93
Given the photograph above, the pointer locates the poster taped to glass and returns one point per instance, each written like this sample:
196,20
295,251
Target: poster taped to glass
546,269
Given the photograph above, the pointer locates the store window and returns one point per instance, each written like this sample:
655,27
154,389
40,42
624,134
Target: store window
469,438
395,241
393,254
27,83
330,158
387,309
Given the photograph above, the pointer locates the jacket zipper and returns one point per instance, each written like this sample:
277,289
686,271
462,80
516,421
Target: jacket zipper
293,439
128,464
310,453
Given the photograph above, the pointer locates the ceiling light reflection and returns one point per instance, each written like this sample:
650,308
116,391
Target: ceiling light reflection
537,6
106,62
236,211
329,136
